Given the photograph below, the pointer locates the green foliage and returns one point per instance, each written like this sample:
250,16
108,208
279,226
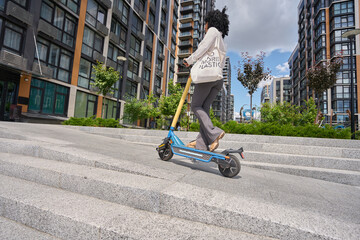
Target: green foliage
323,76
195,126
104,78
285,113
251,72
135,109
93,122
168,104
215,121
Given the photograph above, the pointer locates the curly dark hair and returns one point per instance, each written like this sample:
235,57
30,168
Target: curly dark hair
219,20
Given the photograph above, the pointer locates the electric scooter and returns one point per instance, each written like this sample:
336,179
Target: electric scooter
229,165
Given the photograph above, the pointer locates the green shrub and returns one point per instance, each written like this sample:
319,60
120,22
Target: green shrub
195,127
93,122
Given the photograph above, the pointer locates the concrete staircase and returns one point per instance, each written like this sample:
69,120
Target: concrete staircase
52,190
326,159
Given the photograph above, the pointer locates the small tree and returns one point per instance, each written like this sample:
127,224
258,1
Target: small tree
251,72
168,104
104,80
135,109
322,77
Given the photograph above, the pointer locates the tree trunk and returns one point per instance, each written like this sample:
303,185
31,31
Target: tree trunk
251,117
103,110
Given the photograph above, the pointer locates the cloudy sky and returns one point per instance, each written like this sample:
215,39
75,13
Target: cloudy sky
260,25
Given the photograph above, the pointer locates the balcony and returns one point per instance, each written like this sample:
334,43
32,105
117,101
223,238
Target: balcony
187,43
186,18
183,71
182,80
187,2
184,53
185,35
187,9
186,26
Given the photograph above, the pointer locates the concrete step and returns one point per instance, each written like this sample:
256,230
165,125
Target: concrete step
171,198
11,230
81,157
332,175
325,142
70,216
124,163
322,151
304,160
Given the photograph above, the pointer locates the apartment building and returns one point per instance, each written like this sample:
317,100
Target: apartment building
191,32
48,49
321,25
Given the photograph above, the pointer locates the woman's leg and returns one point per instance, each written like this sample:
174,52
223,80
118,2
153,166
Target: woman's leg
204,95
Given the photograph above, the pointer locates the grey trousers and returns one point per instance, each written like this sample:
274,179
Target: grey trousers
204,95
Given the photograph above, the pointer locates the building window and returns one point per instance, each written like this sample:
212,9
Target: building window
158,82
48,98
119,30
13,37
147,74
58,59
135,45
320,30
137,24
95,12
131,89
341,49
92,42
336,36
320,18
342,8
113,53
61,20
21,3
73,5
342,22
162,32
148,54
139,5
85,105
321,42
152,18
124,9
85,74
109,108
133,68
149,37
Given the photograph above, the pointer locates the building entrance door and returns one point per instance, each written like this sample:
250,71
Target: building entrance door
8,96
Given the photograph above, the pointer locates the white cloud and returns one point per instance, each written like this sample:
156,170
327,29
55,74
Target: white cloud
283,67
263,83
261,25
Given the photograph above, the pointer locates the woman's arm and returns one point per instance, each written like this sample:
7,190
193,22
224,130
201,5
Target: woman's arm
204,46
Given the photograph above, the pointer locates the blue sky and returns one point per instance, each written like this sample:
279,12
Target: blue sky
260,25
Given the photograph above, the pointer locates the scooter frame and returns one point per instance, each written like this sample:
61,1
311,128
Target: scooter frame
174,143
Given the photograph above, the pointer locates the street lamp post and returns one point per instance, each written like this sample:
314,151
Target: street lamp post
351,36
123,59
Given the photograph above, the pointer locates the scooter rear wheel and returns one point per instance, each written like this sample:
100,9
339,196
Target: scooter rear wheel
166,154
234,168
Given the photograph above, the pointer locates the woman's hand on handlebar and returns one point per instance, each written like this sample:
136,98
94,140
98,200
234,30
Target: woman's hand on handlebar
186,64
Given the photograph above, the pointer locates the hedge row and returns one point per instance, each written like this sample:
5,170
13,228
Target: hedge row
93,122
275,129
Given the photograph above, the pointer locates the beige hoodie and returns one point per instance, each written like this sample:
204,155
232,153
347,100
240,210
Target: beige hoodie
207,45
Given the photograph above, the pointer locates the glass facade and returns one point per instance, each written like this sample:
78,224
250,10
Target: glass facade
48,98
85,105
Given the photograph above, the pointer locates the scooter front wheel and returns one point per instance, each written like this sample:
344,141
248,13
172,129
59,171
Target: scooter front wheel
233,169
166,154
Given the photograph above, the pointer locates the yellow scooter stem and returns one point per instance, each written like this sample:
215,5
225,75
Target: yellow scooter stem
178,111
